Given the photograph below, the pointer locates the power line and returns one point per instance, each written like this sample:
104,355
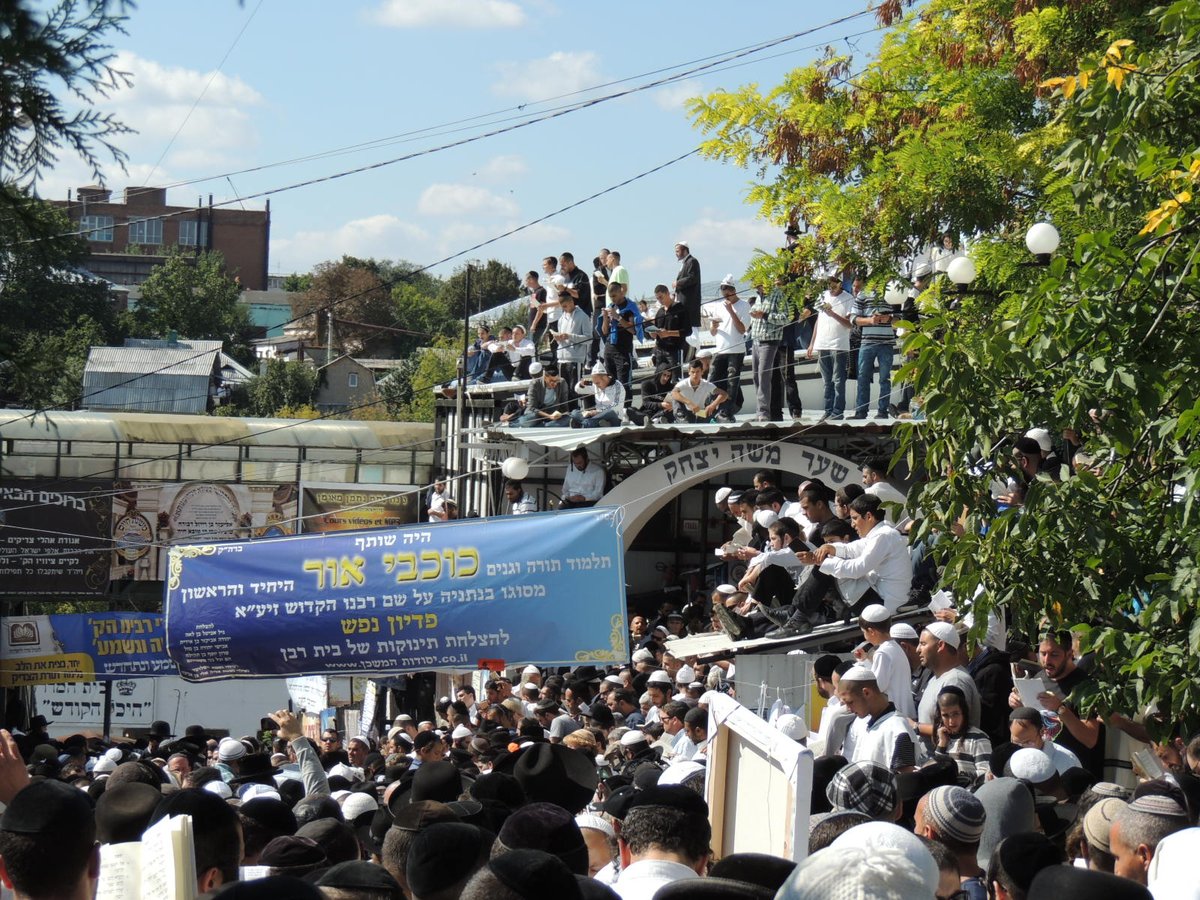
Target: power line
200,96
440,128
554,114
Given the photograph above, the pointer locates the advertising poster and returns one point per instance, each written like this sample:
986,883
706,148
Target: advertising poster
148,517
356,507
54,536
547,588
82,647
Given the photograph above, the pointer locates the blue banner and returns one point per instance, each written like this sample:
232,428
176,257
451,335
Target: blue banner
82,647
546,588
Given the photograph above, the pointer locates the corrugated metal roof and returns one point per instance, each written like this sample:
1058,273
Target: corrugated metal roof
161,361
178,344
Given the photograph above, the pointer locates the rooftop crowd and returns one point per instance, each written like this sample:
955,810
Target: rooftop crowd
579,346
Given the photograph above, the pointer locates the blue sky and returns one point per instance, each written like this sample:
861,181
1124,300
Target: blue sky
308,77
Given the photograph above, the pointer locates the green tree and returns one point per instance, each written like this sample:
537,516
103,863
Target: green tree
284,386
297,283
51,52
43,295
191,296
492,284
983,118
359,301
407,390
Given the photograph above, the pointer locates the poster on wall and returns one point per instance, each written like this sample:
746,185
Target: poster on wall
150,516
54,536
547,588
82,647
356,507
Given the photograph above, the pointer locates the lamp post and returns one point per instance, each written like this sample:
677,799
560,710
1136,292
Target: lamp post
1042,240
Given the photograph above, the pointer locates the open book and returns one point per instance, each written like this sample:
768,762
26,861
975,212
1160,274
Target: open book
162,866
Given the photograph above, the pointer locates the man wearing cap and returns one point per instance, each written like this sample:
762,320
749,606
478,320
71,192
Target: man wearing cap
229,755
922,277
428,747
664,838
1137,830
546,402
888,662
865,787
879,735
954,817
695,398
48,843
609,396
938,649
728,320
658,686
830,344
687,283
1026,728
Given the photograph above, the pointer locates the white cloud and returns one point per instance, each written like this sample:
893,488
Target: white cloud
558,73
455,13
464,200
221,129
502,168
383,236
671,97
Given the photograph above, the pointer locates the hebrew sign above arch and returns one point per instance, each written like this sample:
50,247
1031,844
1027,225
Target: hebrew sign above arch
649,490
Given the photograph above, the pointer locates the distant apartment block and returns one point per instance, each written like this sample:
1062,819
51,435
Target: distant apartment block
127,239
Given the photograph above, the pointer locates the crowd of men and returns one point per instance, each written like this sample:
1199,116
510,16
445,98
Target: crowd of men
931,780
578,346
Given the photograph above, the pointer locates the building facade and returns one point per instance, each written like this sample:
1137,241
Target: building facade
128,238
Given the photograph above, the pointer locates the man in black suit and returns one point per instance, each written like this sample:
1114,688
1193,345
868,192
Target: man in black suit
687,283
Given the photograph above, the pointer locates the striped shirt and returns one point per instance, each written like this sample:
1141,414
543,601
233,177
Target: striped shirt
868,304
972,753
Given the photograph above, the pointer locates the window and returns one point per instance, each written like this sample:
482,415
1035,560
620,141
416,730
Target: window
97,228
188,231
353,380
145,231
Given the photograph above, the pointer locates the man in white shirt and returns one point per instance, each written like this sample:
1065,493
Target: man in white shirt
520,501
1026,728
727,320
888,661
830,343
880,555
520,352
609,395
875,481
584,482
664,838
881,735
696,399
437,502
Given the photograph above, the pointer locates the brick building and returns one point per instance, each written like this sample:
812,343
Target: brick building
127,239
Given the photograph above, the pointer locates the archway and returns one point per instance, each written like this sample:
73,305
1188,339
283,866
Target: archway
645,493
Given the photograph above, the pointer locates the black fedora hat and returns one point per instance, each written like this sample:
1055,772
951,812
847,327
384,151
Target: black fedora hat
255,767
440,781
160,729
553,773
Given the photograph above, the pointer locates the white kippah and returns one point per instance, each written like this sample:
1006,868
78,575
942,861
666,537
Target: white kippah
631,737
858,673
945,632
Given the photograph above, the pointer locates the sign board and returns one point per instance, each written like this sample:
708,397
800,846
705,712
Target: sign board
54,536
82,647
546,588
72,707
355,507
149,516
309,692
758,784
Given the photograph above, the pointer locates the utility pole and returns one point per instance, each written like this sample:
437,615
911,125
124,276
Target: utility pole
329,349
461,393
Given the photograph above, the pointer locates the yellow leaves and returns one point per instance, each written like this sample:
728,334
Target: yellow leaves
1113,54
1165,211
1115,70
